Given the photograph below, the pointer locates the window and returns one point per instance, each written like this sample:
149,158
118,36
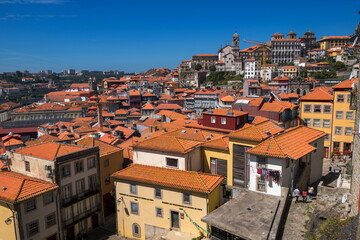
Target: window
327,136
186,198
340,98
30,205
136,230
307,108
27,166
66,190
307,122
92,182
32,228
159,212
213,119
158,193
48,198
349,115
223,120
133,188
261,183
106,162
348,131
316,123
107,179
80,207
80,187
79,166
327,109
339,114
338,130
326,123
50,220
91,162
172,162
261,162
134,208
82,225
65,171
317,108
336,146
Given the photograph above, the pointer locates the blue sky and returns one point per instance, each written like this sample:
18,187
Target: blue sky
135,35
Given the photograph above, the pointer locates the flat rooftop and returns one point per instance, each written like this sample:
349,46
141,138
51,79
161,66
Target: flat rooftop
250,215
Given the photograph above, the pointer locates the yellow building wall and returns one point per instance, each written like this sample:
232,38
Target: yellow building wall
345,107
215,153
171,201
7,231
116,161
311,115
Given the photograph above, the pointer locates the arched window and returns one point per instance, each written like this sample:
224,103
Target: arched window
298,91
304,92
136,230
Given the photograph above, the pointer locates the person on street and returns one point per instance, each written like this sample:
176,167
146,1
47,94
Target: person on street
297,194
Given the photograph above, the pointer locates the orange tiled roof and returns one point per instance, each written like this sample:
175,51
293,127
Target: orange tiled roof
293,143
317,95
104,148
284,96
19,187
219,143
257,132
165,106
347,84
228,98
49,151
172,115
173,178
134,92
334,37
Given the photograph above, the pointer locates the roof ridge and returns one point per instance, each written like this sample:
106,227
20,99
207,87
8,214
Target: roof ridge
202,181
20,188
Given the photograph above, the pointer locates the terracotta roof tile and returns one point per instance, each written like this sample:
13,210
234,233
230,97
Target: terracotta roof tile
49,151
317,95
178,179
257,132
104,148
19,187
347,84
293,143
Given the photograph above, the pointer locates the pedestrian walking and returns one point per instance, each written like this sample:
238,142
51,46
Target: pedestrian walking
304,196
297,194
311,192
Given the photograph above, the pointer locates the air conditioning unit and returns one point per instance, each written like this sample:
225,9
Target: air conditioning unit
49,175
47,167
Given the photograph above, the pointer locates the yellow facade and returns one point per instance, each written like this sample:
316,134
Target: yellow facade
314,114
108,165
225,155
341,119
148,221
330,43
7,231
346,137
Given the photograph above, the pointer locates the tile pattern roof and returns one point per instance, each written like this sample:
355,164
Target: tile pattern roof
104,148
293,143
317,95
49,151
173,178
257,132
347,84
219,143
19,187
225,112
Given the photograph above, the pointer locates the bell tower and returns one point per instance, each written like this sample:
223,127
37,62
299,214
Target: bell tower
235,41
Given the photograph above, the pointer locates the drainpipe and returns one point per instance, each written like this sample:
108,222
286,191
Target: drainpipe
292,175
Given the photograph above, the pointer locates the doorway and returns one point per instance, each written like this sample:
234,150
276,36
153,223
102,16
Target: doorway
175,221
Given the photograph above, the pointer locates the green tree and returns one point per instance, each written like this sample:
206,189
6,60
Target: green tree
339,66
198,67
212,68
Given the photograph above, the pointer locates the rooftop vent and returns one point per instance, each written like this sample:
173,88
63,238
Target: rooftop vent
183,131
4,189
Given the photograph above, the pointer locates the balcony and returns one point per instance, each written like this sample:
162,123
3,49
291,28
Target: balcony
87,213
78,197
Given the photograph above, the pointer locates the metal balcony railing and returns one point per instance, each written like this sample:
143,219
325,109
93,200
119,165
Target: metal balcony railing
87,213
78,197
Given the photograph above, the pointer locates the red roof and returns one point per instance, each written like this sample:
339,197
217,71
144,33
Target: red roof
16,187
173,178
347,84
317,95
205,55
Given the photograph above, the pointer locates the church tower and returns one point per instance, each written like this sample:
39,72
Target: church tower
235,42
